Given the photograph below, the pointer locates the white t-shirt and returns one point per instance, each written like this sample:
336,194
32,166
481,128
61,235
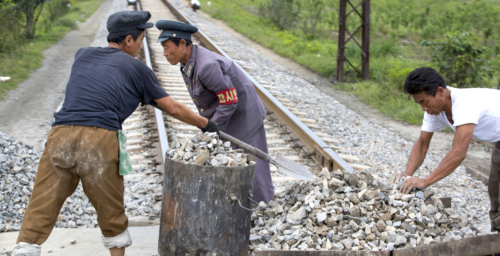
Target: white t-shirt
195,2
470,106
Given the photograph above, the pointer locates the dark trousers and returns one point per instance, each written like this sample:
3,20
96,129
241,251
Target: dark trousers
195,7
263,189
494,188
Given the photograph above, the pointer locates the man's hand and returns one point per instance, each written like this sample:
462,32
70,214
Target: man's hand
411,183
211,127
396,177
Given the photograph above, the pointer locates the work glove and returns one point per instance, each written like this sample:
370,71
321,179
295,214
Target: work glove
211,127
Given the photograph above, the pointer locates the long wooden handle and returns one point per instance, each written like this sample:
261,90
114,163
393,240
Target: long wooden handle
252,150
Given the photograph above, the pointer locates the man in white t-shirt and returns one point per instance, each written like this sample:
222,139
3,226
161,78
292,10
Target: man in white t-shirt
194,4
471,113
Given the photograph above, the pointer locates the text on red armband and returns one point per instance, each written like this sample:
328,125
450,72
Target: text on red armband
227,96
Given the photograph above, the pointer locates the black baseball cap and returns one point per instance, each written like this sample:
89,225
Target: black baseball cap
128,20
174,29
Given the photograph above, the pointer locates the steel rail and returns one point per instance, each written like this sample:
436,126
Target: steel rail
323,152
162,133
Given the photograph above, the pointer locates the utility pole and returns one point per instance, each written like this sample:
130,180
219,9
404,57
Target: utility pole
362,9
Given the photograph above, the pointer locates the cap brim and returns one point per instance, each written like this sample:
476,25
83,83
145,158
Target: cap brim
163,39
146,25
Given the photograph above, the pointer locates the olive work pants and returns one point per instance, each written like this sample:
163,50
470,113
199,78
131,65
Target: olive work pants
75,153
494,188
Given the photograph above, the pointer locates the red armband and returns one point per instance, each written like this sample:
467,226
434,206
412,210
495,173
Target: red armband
227,96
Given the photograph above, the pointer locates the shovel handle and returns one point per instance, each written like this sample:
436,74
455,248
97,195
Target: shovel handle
250,149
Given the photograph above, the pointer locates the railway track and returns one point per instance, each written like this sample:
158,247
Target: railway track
288,130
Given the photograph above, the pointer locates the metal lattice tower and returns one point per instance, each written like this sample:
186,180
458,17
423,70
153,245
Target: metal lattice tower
364,14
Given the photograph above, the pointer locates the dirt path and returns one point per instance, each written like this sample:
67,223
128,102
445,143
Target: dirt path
27,112
441,142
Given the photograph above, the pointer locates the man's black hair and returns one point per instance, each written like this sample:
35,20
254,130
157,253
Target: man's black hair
176,41
424,79
118,37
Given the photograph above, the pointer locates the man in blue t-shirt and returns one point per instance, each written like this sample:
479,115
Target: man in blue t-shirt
106,85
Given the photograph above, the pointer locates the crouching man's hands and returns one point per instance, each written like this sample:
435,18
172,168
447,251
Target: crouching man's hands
396,177
409,182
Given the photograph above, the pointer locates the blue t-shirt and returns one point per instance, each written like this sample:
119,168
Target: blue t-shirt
106,85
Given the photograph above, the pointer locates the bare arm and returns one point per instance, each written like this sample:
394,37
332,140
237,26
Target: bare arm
449,163
418,152
417,156
456,155
182,112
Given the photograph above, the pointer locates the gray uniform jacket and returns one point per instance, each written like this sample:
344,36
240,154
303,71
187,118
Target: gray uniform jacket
223,94
207,74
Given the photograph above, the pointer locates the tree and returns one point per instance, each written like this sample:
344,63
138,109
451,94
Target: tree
311,16
9,34
461,60
31,11
281,13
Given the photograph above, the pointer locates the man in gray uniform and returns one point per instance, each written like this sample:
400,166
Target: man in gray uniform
222,93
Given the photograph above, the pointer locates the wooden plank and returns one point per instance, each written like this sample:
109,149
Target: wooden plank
133,126
299,113
272,135
359,167
187,128
349,158
307,120
480,245
295,158
329,140
134,134
274,149
134,141
276,141
322,253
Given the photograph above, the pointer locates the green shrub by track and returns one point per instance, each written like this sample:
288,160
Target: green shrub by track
397,26
20,62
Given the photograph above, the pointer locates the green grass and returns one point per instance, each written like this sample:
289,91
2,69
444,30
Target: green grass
397,26
19,63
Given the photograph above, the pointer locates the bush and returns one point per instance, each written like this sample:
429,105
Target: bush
9,34
66,22
57,8
281,13
385,48
461,60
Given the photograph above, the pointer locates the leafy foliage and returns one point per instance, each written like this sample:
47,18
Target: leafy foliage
461,60
281,13
311,17
31,9
57,8
9,34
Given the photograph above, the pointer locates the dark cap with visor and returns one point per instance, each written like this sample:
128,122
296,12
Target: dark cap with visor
128,20
174,29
